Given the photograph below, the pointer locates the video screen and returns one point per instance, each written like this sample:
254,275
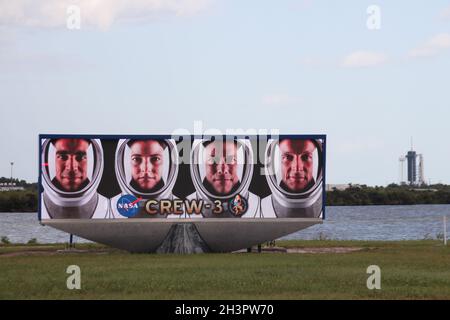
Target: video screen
148,177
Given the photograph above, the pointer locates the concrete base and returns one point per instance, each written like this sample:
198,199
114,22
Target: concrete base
152,235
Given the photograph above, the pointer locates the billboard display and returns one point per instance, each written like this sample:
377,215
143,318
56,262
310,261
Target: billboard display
182,177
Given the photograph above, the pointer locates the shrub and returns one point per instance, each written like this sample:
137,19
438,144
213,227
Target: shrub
32,241
5,240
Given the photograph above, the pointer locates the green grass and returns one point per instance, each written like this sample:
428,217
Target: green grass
409,270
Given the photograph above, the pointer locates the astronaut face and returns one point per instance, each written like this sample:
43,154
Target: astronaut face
297,164
221,166
147,161
71,163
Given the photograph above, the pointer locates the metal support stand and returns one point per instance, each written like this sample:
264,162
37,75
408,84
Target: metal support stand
445,230
183,238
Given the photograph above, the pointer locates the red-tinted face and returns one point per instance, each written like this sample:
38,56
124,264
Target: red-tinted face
71,163
147,160
297,163
221,166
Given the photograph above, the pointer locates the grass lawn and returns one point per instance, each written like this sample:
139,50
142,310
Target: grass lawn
409,270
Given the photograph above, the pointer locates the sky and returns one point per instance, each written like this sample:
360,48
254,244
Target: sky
304,67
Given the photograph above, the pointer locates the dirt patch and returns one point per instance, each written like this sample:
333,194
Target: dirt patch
28,253
51,252
304,250
324,250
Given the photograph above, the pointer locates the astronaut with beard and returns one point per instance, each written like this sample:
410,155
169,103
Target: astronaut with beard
70,194
221,182
298,195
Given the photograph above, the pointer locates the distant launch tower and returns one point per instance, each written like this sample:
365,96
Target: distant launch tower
412,168
415,173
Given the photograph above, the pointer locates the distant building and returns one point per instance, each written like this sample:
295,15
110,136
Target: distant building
340,187
10,186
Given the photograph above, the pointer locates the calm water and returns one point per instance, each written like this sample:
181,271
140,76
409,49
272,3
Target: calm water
343,223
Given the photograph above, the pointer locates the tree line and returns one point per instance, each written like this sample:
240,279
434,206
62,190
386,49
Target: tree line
18,201
21,200
393,194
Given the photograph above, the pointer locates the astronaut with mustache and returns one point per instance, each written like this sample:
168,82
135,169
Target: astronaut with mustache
221,179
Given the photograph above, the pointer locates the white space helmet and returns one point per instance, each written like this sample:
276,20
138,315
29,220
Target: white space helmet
306,202
62,198
245,173
169,176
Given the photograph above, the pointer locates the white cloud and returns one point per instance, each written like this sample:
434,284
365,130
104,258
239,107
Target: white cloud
432,47
97,13
360,59
445,14
279,99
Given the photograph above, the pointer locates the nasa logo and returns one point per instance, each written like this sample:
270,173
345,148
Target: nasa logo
128,205
238,205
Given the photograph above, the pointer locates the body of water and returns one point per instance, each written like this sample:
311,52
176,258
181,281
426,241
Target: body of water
341,223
